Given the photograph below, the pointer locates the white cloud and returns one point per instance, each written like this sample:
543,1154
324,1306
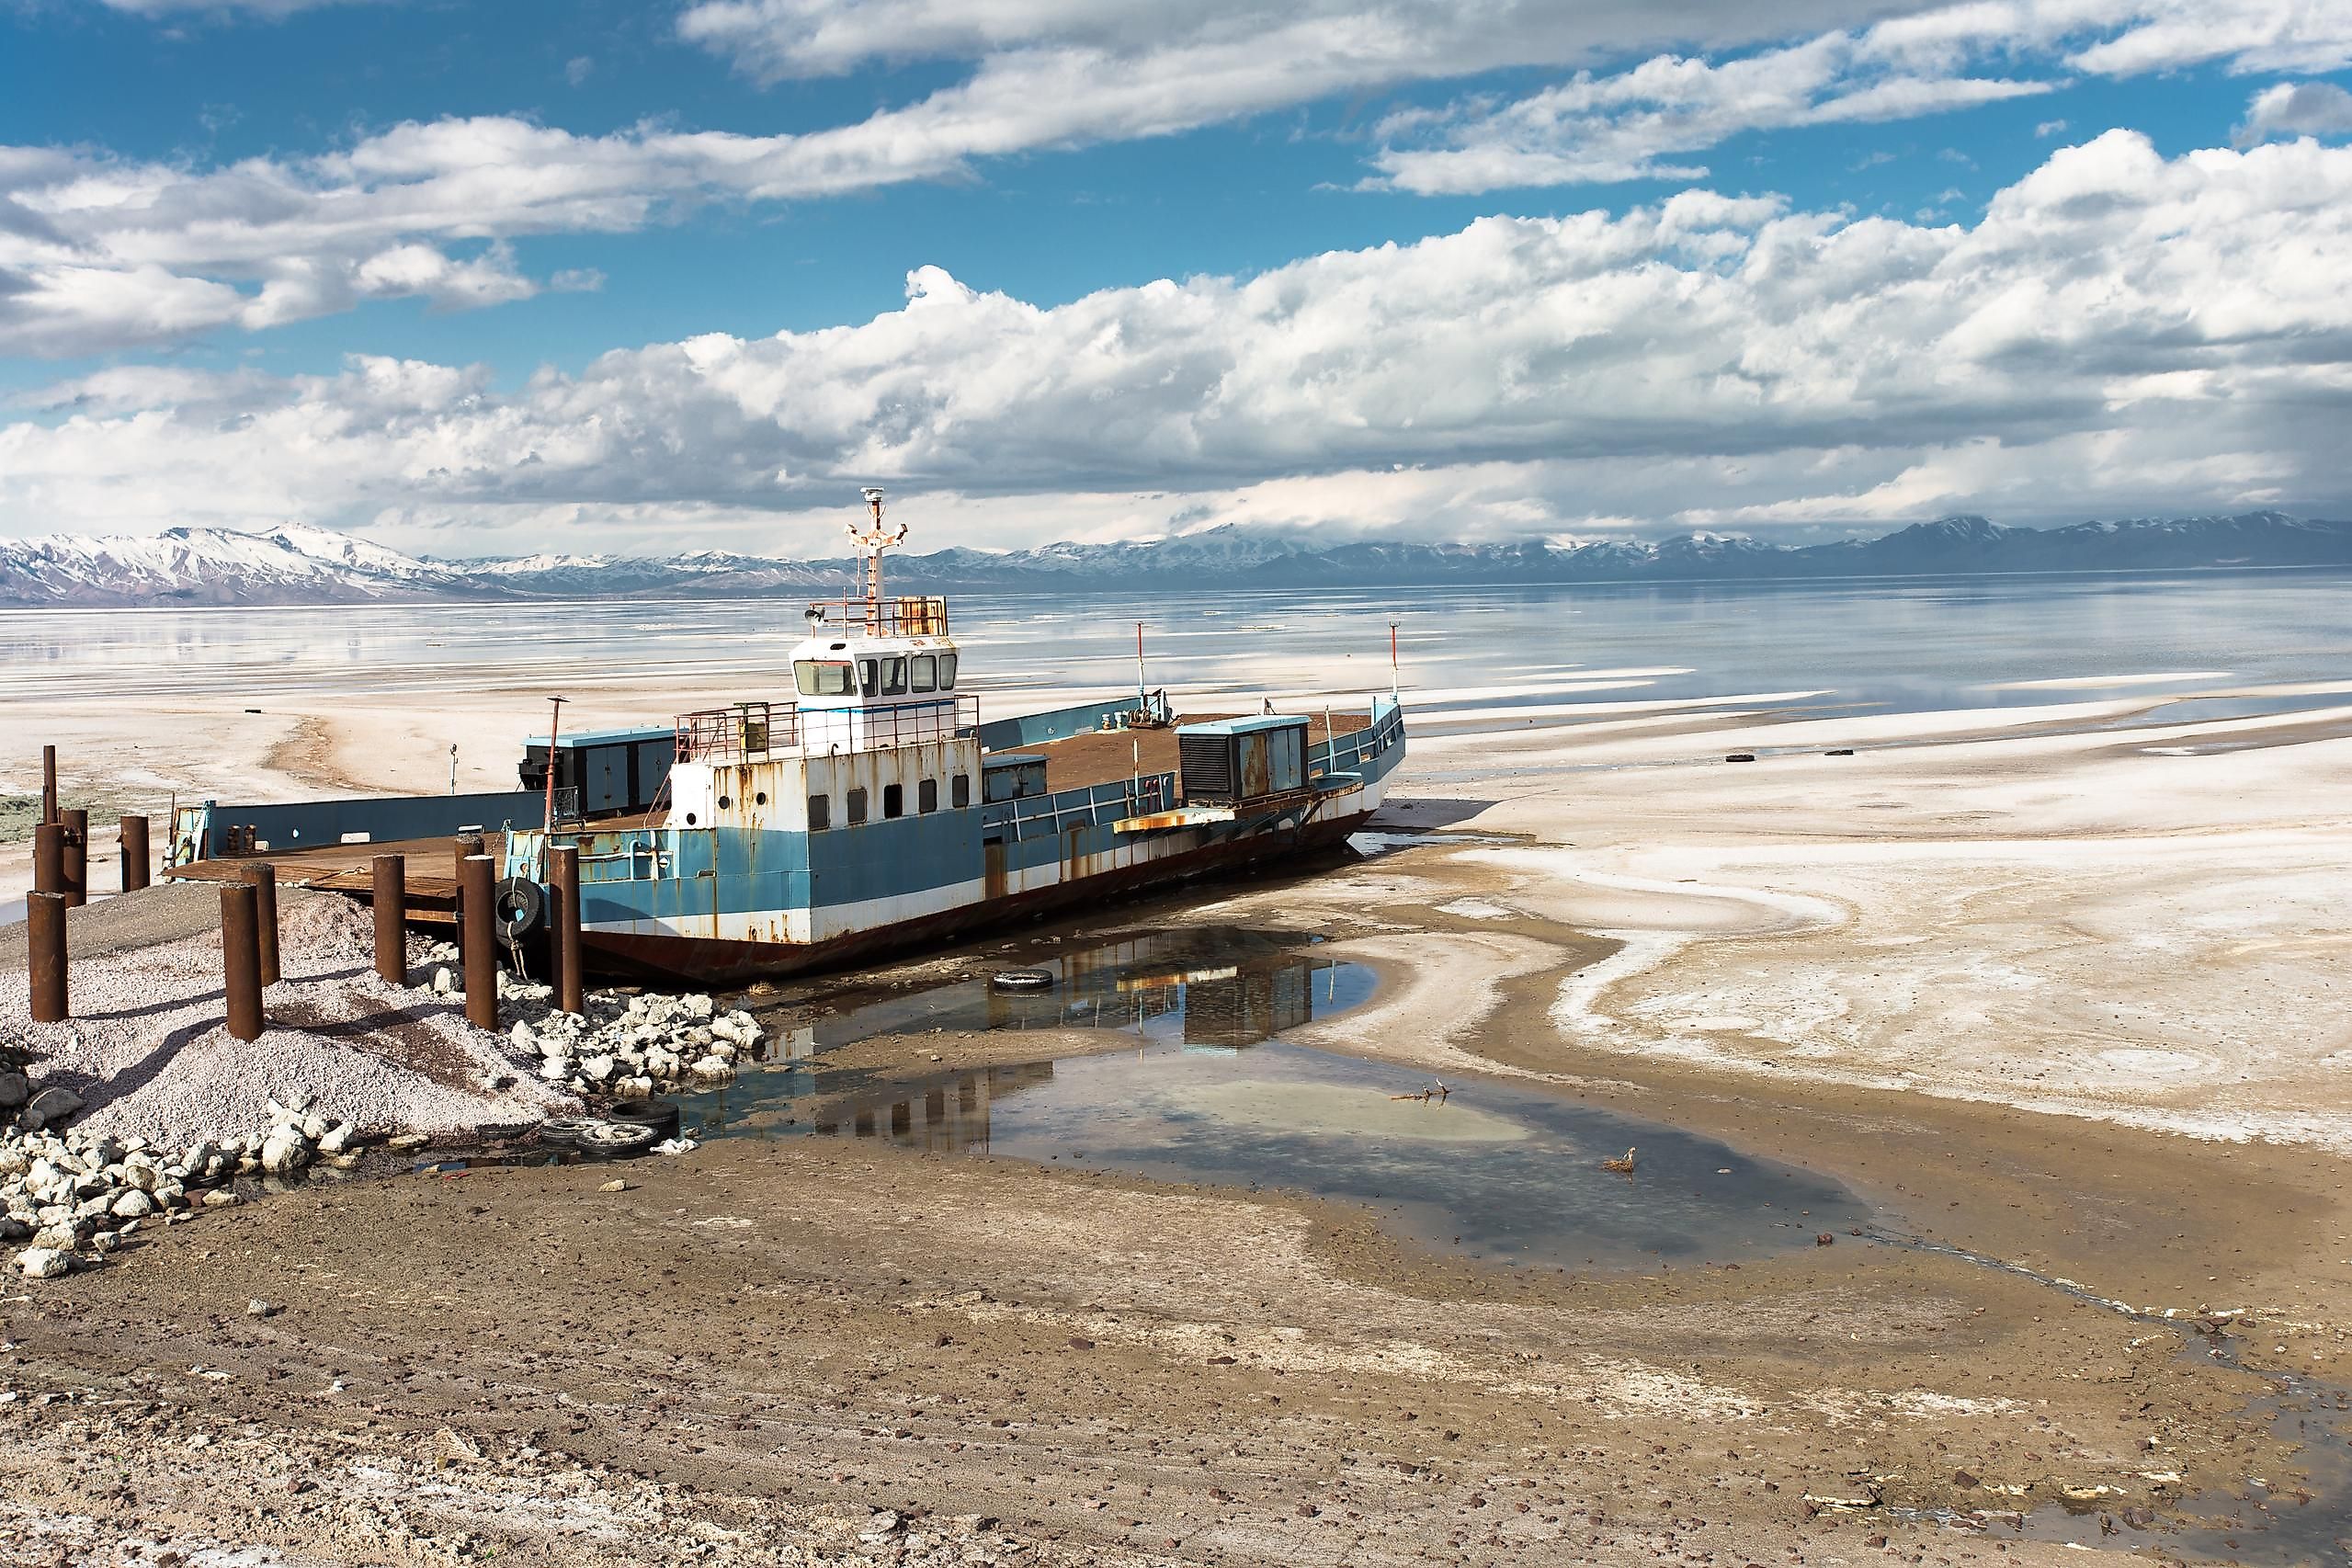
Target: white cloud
2049,127
2117,331
2300,108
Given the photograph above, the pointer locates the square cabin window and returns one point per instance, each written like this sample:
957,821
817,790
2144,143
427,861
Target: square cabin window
856,807
894,676
893,799
868,677
926,795
820,813
927,675
959,791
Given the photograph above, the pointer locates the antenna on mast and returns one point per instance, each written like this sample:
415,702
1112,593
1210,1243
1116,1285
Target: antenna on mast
871,540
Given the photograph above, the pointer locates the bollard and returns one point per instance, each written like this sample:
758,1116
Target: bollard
263,875
240,959
563,912
45,935
77,856
137,864
477,914
391,918
468,844
48,857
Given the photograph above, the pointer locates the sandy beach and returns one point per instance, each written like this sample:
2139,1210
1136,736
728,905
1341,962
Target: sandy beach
2050,986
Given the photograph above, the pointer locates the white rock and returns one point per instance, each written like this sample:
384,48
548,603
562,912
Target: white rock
555,1069
596,1068
315,1128
712,1067
337,1139
44,1263
445,983
132,1205
283,1153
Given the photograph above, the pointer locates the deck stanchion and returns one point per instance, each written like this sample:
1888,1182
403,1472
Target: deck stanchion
241,958
138,866
391,918
48,857
49,783
77,856
263,875
477,913
45,936
565,912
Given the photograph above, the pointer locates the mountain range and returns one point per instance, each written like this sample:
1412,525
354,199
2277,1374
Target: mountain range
300,564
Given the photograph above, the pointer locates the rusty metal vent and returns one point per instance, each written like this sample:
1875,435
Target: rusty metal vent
1207,766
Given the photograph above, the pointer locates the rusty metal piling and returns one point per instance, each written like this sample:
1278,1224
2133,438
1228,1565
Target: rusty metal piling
49,783
477,914
138,866
241,958
563,932
263,875
45,937
48,857
391,917
77,856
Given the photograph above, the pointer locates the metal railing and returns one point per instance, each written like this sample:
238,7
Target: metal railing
748,731
900,617
1090,805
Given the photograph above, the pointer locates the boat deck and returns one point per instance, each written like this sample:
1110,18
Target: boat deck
1075,762
1105,756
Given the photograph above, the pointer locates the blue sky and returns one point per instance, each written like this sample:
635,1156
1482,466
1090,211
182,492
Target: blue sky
411,267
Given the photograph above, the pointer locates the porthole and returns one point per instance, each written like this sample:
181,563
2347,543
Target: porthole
760,799
725,802
690,818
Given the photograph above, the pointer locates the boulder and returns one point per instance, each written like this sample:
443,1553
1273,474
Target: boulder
132,1205
14,1090
337,1139
220,1197
53,1106
596,1069
44,1262
284,1150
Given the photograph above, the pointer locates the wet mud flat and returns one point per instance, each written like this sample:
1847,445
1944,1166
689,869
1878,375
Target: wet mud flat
1208,1318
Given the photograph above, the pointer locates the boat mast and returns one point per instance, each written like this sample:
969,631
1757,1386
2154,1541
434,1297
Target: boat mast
871,541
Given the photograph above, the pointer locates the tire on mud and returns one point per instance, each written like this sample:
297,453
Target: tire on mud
616,1139
563,1132
1022,979
662,1116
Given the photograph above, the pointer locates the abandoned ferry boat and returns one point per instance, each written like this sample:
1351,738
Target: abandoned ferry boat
871,811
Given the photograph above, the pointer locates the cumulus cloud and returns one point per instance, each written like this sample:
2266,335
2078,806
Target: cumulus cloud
2299,108
1644,122
2118,331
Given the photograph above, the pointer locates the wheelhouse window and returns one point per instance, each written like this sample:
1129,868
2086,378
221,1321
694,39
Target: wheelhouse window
959,791
822,678
820,813
893,799
856,807
926,795
947,672
925,672
894,676
868,677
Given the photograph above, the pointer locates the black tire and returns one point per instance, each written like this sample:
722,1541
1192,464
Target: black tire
1022,979
616,1139
662,1116
520,908
563,1132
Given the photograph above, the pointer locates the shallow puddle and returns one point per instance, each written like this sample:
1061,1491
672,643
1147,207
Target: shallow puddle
1208,1092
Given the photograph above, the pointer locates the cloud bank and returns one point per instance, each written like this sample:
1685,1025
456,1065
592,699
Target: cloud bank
2119,332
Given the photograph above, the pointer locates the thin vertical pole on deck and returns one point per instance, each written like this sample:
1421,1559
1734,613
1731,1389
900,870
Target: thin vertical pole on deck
138,866
48,857
1395,683
564,901
391,917
45,938
77,856
263,875
49,783
1141,701
241,958
477,913
547,813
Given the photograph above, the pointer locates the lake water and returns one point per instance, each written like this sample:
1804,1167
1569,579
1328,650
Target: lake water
1901,645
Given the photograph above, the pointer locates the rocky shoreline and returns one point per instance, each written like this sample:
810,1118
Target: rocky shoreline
80,1175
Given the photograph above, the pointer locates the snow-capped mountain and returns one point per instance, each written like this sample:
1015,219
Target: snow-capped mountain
300,564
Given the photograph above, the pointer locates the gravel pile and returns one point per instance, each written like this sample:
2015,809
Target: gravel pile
147,1054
